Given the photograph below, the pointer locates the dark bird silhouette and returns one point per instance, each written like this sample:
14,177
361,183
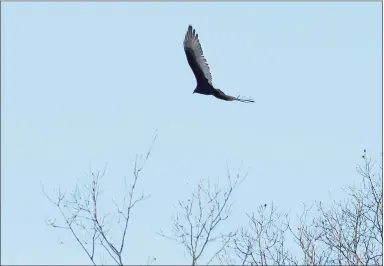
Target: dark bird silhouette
200,68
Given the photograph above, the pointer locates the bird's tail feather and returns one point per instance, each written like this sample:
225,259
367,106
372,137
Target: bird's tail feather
244,100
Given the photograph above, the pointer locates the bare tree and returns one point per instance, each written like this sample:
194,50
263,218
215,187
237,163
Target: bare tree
81,215
350,232
307,236
195,226
353,229
263,242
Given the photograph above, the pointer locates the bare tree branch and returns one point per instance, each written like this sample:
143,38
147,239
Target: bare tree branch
80,212
347,233
200,216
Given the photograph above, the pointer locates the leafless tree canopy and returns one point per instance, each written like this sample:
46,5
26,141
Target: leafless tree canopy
81,215
195,226
263,241
350,232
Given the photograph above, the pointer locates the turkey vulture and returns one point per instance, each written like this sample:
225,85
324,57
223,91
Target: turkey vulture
200,68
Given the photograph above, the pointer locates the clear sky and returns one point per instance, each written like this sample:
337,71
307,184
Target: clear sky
93,82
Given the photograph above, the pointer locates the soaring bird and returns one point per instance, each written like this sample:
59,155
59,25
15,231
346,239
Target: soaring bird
200,68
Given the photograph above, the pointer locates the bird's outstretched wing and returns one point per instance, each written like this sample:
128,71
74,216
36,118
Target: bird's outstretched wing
221,95
195,56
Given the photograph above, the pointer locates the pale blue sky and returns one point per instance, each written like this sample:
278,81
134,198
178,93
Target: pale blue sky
92,82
